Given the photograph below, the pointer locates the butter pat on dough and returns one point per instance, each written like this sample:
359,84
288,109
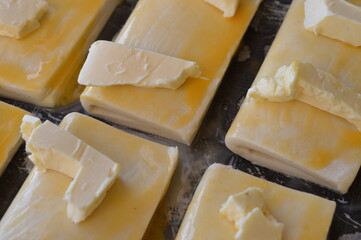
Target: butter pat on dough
93,173
304,82
336,19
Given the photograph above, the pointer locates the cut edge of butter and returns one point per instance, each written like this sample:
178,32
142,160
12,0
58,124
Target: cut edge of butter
251,198
228,7
93,173
19,18
336,19
110,64
271,229
247,210
28,125
303,82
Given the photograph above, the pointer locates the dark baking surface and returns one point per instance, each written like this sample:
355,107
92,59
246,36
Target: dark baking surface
208,146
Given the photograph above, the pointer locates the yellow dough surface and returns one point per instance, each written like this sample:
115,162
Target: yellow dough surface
186,29
293,137
305,216
39,209
10,137
42,67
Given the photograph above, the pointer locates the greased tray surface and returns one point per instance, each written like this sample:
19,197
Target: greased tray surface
208,146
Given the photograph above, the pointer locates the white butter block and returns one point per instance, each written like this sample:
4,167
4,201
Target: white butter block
337,19
313,86
229,7
247,210
110,64
20,17
93,173
304,216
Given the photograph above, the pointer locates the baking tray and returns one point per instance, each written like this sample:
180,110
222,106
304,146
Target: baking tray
208,146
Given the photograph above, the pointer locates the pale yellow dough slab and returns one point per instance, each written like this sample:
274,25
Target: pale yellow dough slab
10,137
42,67
39,209
305,216
293,137
186,29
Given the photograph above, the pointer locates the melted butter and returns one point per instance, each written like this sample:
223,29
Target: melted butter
43,60
204,37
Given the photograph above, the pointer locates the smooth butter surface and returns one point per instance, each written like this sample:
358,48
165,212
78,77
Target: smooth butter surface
41,67
183,31
126,210
10,138
110,63
317,145
304,216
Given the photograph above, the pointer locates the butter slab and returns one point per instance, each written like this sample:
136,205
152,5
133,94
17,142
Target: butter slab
204,37
304,216
126,210
111,64
293,137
